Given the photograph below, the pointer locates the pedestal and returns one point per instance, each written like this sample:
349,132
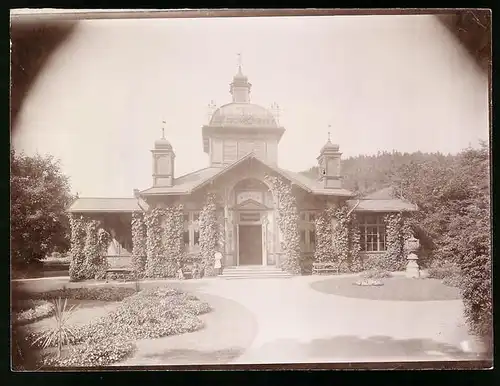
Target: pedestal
412,269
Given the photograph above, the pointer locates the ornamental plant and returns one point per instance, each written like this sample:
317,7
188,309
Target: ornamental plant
139,243
209,234
62,333
76,266
288,222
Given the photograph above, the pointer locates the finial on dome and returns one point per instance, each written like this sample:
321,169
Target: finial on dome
163,130
239,62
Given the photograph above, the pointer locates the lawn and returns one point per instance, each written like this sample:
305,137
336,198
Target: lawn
393,289
107,322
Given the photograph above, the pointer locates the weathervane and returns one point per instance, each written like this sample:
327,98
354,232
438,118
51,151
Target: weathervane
329,127
163,130
239,60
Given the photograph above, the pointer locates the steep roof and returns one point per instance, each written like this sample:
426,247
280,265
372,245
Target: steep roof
107,204
383,200
195,180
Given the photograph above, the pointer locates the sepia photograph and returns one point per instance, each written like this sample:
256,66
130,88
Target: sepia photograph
250,189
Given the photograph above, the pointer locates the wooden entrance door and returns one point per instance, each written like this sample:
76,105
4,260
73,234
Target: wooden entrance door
250,244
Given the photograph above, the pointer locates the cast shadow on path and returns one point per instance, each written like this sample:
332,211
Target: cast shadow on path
355,349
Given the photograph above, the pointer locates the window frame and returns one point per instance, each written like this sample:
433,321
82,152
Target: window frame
191,226
373,233
307,224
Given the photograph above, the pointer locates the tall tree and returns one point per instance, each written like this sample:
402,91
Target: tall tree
40,195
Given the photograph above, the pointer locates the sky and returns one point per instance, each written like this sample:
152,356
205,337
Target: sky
379,82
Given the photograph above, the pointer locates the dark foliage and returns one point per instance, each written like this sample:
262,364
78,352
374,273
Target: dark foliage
40,195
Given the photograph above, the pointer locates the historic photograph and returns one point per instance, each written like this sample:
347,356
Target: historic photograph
195,188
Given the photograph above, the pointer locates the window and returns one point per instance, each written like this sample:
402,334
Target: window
191,234
372,233
307,231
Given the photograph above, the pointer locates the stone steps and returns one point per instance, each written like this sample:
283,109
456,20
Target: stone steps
254,272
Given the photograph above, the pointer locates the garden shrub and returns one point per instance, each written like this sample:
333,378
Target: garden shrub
453,280
108,294
376,274
31,311
444,271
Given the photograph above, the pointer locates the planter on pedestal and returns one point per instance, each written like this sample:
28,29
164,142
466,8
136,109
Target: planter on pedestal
412,269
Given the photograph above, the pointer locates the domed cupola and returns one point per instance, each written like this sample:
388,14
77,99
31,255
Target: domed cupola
238,128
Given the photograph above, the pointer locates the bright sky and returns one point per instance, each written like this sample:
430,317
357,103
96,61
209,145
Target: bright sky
382,82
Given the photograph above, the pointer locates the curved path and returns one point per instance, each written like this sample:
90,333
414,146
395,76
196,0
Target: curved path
286,321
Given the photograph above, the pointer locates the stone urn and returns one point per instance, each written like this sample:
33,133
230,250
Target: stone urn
412,268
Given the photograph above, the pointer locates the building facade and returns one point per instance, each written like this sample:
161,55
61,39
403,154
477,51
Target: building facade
242,142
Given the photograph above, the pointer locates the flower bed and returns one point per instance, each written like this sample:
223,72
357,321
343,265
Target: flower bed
394,289
32,311
368,282
151,313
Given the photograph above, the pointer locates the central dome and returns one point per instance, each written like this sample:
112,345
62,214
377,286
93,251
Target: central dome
244,115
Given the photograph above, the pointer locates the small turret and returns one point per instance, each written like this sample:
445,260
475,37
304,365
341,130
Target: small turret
329,165
163,162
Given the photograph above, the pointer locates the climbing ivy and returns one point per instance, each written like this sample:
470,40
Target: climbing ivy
209,234
355,260
76,266
154,262
324,252
138,244
288,222
394,258
103,239
340,239
173,228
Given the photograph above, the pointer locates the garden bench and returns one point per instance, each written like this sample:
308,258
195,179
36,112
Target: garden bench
119,268
319,268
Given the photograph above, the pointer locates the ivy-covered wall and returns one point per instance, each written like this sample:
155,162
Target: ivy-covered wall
337,239
397,230
139,244
164,229
76,266
288,223
89,242
209,234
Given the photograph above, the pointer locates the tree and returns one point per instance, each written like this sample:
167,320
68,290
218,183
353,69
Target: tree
40,195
